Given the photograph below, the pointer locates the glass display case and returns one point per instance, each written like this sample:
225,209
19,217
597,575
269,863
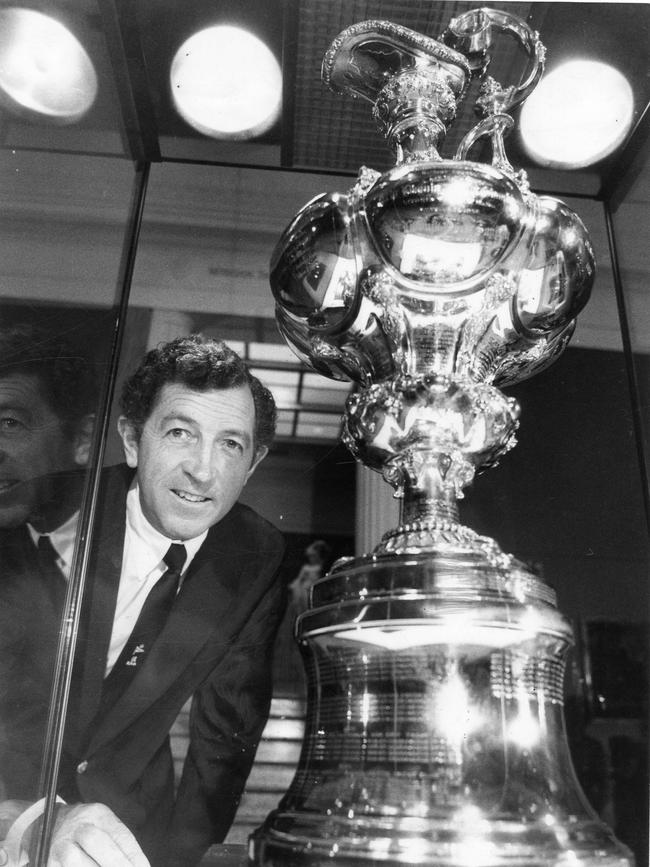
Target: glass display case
124,226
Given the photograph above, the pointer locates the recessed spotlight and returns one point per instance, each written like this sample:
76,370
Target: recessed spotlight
44,70
226,83
579,113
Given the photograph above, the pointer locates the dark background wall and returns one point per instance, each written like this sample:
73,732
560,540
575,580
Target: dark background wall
568,497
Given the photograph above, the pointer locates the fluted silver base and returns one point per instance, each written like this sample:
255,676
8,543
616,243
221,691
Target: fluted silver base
435,731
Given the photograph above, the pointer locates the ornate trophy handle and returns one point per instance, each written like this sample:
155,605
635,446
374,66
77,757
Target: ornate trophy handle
496,126
471,34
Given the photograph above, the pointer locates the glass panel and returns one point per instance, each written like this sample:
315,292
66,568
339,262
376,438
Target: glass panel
202,266
568,501
631,248
68,194
551,500
62,228
618,652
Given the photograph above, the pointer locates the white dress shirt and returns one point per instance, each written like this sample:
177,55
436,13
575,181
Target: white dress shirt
142,566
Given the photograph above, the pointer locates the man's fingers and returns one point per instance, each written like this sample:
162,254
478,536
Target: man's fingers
91,835
68,854
92,846
125,840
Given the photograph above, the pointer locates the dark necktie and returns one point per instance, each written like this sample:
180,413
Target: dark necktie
150,622
54,577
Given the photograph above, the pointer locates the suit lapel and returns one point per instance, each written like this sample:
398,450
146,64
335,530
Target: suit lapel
100,597
98,624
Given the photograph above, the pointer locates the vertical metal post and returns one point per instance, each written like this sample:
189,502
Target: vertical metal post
628,352
72,610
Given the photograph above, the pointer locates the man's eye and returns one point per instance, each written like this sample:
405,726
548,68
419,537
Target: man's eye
233,445
9,424
179,434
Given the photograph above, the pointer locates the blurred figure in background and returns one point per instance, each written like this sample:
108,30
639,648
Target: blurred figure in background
289,670
317,556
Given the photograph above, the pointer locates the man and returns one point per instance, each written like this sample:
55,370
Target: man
47,392
196,424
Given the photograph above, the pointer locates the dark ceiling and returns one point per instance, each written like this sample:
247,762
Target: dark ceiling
132,42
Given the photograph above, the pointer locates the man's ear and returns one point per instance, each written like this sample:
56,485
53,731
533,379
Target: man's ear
83,439
260,454
130,440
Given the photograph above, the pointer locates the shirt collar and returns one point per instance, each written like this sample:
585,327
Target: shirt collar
63,539
152,545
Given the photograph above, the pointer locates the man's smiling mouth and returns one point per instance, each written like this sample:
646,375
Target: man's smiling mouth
190,498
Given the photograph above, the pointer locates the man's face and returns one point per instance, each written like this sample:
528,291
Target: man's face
194,456
33,444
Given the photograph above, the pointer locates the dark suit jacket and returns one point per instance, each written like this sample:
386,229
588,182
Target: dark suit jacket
30,616
216,646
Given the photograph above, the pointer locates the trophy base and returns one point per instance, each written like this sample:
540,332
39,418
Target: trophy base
434,731
290,839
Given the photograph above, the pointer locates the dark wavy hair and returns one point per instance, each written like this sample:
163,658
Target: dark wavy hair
200,363
67,377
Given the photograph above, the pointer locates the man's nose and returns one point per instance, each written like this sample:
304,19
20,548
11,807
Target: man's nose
200,464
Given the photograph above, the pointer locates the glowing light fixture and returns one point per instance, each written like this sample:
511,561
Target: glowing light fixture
579,113
44,69
226,83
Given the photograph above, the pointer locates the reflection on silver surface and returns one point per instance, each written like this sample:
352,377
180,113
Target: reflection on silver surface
435,664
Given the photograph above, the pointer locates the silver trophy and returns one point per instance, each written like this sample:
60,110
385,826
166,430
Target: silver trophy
435,664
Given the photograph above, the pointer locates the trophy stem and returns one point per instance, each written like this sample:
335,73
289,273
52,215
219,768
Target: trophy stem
421,506
413,110
416,141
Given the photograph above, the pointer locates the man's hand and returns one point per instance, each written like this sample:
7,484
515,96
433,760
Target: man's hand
88,835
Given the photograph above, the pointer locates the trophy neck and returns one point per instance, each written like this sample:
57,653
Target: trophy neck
413,111
439,506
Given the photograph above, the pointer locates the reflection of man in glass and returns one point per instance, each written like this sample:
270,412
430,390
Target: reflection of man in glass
195,426
46,400
47,395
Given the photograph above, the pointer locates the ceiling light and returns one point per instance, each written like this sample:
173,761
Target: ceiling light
226,83
578,114
44,69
